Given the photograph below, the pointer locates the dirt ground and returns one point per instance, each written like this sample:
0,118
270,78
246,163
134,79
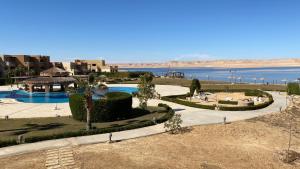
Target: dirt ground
250,144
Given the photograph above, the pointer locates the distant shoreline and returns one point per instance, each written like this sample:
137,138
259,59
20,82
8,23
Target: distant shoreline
209,67
217,64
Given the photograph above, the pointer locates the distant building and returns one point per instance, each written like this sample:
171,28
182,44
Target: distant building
83,67
31,63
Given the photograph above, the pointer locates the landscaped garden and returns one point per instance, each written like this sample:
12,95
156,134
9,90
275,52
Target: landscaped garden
229,99
37,129
110,112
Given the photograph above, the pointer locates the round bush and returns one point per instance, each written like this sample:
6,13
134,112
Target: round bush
76,102
115,106
119,105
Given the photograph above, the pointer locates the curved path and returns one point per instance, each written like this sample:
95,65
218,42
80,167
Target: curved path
190,116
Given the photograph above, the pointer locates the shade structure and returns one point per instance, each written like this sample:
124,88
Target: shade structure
54,72
49,80
46,83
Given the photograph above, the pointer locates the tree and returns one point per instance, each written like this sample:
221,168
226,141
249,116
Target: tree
88,106
174,124
291,112
19,71
195,86
146,89
91,78
88,95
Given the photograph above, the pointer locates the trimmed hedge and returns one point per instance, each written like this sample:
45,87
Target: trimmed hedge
76,103
116,106
176,99
168,115
293,88
228,102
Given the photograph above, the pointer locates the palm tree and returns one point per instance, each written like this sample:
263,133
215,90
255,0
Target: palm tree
88,106
89,100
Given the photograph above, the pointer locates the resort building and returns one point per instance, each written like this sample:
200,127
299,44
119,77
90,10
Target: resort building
83,67
32,64
48,79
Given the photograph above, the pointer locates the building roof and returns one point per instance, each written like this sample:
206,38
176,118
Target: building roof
54,71
49,80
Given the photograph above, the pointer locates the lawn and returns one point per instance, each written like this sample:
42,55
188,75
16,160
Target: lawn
10,129
213,84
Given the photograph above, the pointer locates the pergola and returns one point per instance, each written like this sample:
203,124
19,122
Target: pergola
49,78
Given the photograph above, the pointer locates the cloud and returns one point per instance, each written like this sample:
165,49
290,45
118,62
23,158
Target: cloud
193,57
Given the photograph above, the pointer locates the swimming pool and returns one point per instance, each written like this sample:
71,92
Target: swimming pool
53,97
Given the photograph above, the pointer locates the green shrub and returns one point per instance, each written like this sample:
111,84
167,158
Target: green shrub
76,103
177,99
228,102
32,139
116,106
174,99
119,105
195,86
5,143
257,93
293,88
138,74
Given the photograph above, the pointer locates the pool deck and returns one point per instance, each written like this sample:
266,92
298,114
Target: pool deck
30,110
190,116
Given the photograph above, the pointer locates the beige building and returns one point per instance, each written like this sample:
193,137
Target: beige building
33,64
82,67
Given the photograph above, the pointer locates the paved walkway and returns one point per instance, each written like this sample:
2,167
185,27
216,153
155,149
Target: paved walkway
190,116
60,158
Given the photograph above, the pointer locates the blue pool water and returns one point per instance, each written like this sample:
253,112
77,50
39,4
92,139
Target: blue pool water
54,97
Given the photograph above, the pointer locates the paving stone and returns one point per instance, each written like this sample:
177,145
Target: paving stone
67,154
52,163
66,159
62,158
51,159
54,167
52,151
68,164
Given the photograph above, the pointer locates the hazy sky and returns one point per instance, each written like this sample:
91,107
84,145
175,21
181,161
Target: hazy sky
151,30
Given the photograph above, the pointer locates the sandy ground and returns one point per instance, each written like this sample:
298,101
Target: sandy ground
245,144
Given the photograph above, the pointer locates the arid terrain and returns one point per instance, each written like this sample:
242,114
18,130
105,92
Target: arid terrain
217,64
254,143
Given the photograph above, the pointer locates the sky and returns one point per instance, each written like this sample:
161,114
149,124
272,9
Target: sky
151,30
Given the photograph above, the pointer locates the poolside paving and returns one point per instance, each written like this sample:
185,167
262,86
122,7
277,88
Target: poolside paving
190,116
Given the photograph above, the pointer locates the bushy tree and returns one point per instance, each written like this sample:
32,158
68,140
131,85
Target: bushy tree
174,124
195,86
146,89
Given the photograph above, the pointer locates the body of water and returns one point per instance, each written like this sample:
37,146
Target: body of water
276,75
52,97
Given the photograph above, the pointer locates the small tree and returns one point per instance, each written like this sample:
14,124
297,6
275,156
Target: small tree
146,89
195,86
291,111
88,106
174,124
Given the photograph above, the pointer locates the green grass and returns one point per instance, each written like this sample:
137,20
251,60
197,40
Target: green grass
213,84
10,129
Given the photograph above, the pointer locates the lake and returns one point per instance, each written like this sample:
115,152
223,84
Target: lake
272,75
